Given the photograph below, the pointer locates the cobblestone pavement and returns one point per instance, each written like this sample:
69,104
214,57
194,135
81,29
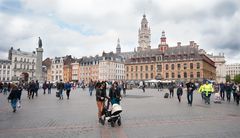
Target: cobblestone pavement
145,115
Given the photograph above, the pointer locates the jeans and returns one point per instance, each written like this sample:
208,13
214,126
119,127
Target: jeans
222,93
68,93
61,94
228,96
90,91
190,97
49,91
171,93
14,104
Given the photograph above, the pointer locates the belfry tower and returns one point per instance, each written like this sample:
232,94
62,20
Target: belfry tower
39,51
118,48
144,35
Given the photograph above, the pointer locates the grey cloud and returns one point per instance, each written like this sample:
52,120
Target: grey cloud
226,8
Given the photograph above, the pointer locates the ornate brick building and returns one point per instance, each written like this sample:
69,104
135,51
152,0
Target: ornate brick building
177,63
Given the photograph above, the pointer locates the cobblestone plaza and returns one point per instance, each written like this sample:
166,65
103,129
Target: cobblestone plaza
144,115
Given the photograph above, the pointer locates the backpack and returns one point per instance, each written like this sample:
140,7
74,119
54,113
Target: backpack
166,95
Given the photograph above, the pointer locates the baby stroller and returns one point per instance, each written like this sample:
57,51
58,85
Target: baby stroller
217,98
112,114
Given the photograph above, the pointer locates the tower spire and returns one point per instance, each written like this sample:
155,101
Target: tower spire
118,48
144,35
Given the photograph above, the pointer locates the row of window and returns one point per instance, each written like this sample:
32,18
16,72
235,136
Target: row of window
23,66
4,66
21,60
57,77
57,66
4,79
4,72
147,76
185,75
141,68
185,66
57,72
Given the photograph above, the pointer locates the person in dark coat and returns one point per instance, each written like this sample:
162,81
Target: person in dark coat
67,87
228,91
114,94
171,90
49,87
179,93
32,89
190,88
222,90
13,97
36,87
60,88
44,87
100,98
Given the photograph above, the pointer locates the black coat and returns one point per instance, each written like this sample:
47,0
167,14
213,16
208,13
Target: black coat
114,93
99,94
14,94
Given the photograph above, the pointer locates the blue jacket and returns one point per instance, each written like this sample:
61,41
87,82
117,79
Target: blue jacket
67,86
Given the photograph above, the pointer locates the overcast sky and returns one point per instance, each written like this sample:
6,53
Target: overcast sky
88,27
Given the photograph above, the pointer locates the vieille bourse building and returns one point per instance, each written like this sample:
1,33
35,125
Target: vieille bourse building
178,63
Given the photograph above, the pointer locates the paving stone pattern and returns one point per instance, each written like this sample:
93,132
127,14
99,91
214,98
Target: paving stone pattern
145,115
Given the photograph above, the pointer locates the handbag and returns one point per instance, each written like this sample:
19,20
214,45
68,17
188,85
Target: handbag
57,94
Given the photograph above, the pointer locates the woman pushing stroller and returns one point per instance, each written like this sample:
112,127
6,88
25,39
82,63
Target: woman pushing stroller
114,98
100,98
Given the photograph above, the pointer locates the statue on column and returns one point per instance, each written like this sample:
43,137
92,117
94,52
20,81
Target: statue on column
39,42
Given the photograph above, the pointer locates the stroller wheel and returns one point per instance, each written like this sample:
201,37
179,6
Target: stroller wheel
112,124
119,122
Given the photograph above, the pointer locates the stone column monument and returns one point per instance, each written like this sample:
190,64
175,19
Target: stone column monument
39,50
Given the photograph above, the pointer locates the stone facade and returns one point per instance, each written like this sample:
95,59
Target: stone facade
89,68
178,63
144,35
233,69
111,67
220,66
75,71
23,64
57,69
5,70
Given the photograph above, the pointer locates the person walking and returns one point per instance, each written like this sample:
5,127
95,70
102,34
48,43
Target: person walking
179,93
49,87
5,88
20,89
36,88
124,88
207,90
100,99
60,88
234,91
13,97
190,88
171,90
68,87
91,87
44,87
222,90
32,89
1,87
238,94
228,91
